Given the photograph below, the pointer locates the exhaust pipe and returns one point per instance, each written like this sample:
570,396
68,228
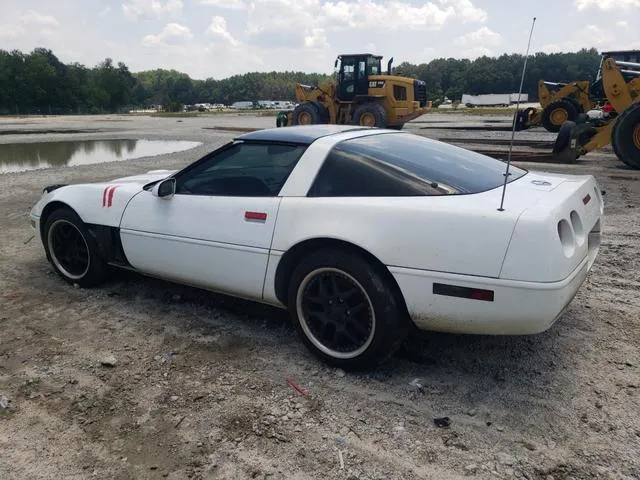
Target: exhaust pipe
389,66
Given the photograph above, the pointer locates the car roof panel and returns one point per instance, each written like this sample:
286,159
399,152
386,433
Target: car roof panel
304,134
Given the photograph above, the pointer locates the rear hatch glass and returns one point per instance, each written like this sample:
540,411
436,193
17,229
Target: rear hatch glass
455,169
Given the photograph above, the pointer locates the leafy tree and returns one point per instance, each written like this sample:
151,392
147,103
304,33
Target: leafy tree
37,82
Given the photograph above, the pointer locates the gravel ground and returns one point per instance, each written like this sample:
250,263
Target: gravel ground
146,379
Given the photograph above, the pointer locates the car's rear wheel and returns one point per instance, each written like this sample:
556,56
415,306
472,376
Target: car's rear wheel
345,310
72,251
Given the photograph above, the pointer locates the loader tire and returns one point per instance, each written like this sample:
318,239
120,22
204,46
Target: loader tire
625,136
324,113
563,140
306,114
562,147
370,115
556,113
575,103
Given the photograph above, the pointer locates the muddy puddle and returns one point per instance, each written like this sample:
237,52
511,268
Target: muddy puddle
17,157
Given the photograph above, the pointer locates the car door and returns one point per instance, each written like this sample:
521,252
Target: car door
216,230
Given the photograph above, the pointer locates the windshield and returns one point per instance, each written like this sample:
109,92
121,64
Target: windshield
461,170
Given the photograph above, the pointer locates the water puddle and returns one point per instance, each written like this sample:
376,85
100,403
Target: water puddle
18,157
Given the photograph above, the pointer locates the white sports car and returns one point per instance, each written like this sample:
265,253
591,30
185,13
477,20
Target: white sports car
356,231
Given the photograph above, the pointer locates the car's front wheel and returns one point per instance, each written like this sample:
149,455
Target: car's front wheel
72,251
345,310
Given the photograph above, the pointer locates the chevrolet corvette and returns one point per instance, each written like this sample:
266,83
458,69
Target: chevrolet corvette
358,232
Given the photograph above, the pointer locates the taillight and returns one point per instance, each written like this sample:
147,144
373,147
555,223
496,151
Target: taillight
578,228
567,238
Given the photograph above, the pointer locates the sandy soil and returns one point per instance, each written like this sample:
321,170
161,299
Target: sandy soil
200,387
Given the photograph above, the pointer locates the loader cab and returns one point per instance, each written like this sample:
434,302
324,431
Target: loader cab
353,74
630,60
629,63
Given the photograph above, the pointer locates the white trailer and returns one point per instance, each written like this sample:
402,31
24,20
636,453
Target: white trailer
493,99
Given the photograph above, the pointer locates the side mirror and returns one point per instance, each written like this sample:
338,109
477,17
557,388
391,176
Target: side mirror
165,188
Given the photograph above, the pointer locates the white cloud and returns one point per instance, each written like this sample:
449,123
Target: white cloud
292,24
104,12
316,39
11,32
170,33
606,4
133,9
483,37
218,30
288,18
34,18
230,4
29,23
622,24
467,11
590,36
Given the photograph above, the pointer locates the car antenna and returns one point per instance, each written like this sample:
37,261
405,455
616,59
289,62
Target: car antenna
515,115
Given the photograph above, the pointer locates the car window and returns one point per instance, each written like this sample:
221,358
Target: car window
349,174
244,169
403,164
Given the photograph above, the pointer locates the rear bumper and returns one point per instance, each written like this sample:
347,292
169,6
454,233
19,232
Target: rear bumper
518,308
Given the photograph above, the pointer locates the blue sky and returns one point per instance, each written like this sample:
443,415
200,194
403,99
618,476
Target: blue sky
219,38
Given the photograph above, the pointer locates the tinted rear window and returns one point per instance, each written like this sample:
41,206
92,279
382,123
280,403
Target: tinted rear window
455,170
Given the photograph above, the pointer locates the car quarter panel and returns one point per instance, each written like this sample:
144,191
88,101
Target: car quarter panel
443,233
555,235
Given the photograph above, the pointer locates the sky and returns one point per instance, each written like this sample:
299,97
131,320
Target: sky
220,38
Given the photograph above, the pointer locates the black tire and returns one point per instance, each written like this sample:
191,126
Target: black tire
72,251
563,140
625,136
556,113
306,113
370,115
324,113
375,331
575,103
582,118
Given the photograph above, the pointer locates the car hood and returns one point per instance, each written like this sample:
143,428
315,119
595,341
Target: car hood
144,178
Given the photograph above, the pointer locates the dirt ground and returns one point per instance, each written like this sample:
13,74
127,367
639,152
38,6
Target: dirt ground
201,386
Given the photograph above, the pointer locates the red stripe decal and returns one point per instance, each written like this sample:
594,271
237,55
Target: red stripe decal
104,197
586,199
111,192
261,216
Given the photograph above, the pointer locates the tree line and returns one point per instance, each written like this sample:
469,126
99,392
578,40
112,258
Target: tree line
38,82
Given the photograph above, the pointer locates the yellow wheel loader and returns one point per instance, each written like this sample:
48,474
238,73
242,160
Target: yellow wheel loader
360,94
563,102
621,86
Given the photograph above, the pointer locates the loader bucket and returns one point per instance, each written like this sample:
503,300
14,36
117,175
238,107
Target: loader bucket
571,139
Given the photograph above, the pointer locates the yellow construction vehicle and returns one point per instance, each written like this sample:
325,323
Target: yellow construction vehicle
360,94
621,86
563,102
